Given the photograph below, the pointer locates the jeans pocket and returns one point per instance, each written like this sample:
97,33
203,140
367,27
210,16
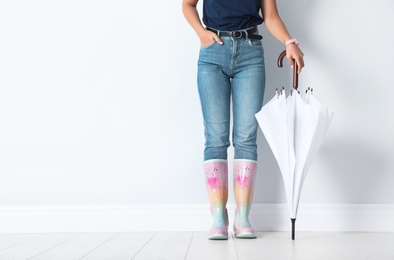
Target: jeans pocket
208,46
255,43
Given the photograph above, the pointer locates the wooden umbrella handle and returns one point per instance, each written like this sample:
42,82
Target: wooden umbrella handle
295,68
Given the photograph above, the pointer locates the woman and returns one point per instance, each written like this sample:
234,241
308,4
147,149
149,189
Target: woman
231,68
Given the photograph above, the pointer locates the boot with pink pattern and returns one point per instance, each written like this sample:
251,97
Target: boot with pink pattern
216,178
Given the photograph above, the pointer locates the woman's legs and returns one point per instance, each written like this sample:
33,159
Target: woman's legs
235,69
248,85
214,88
248,92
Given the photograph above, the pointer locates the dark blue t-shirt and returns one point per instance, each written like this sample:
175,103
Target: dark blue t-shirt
230,15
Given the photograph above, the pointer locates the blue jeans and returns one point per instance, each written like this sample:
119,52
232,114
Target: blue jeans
234,71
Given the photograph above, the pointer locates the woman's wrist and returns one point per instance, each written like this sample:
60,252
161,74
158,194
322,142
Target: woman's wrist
291,41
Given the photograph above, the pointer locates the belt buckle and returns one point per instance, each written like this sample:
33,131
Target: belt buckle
236,34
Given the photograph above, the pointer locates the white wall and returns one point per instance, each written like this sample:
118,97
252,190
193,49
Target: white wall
99,105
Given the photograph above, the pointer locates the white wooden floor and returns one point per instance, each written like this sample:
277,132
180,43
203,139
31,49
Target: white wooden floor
195,245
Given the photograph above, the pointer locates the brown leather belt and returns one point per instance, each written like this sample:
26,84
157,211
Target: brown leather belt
239,34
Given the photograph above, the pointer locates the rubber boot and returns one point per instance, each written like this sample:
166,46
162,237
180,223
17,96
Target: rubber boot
244,176
216,178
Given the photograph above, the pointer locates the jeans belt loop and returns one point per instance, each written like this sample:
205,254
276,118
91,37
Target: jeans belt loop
246,35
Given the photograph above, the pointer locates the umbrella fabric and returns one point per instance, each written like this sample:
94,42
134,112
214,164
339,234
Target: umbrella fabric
302,122
289,125
272,120
323,123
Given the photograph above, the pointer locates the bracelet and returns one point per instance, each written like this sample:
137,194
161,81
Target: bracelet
291,41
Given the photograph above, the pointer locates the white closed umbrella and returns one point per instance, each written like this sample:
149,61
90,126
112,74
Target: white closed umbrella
276,132
323,123
294,128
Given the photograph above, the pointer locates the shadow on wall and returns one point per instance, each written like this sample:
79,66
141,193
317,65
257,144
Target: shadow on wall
355,172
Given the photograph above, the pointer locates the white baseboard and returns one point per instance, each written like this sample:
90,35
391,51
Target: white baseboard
264,217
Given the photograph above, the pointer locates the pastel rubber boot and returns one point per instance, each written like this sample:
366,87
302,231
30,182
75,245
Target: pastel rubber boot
216,178
244,176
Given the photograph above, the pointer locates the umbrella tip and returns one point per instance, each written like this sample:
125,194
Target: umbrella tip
293,228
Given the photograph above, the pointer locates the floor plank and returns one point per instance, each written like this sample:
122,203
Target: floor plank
305,247
166,246
265,246
203,248
124,246
383,240
355,245
9,240
75,248
32,247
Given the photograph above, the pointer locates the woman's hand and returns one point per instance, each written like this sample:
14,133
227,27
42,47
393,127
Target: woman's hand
294,53
207,37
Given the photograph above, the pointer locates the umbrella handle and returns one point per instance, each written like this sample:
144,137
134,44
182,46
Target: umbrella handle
295,68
